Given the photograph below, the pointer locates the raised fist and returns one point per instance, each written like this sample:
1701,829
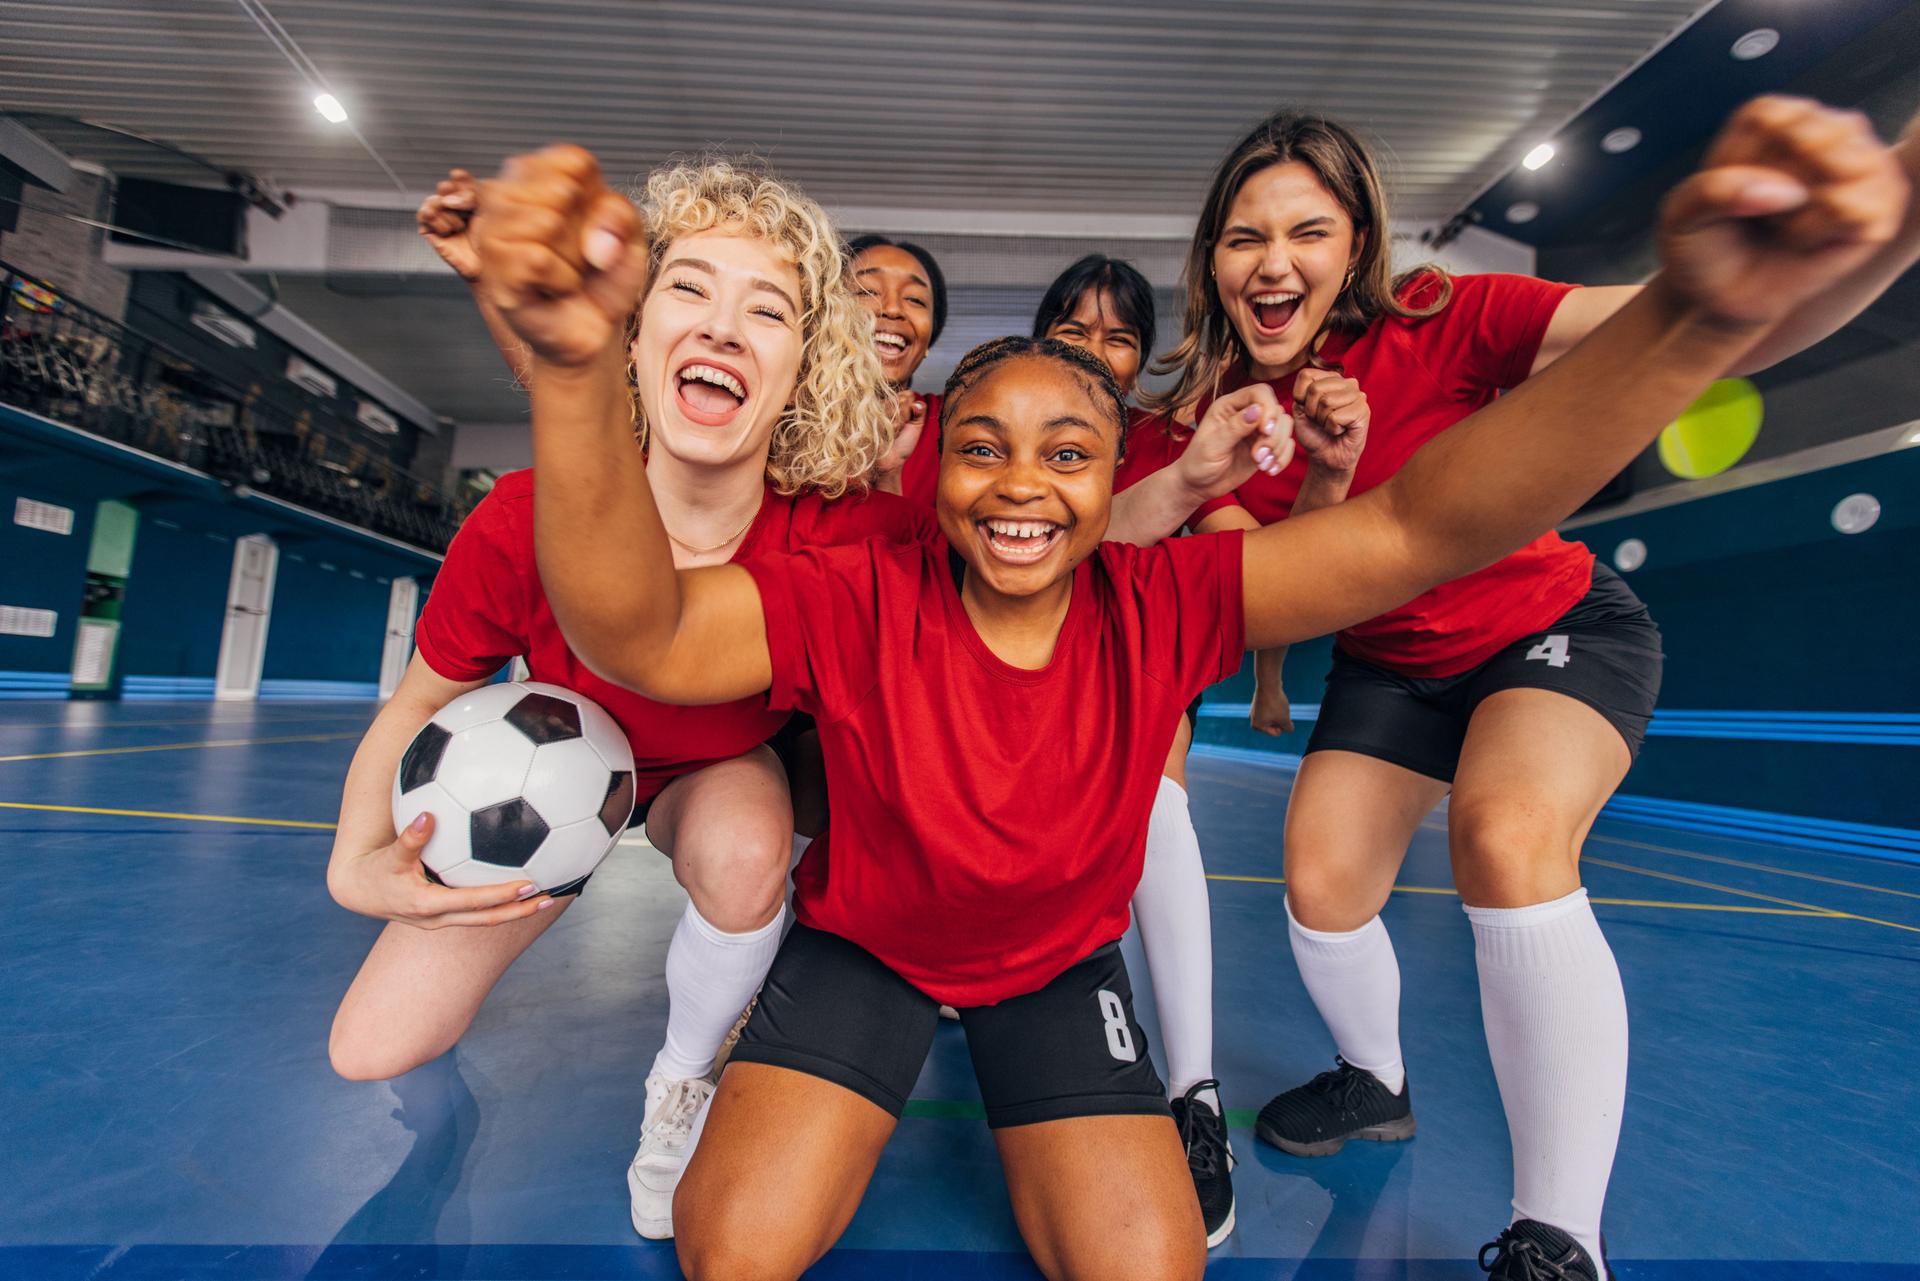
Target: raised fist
445,220
1791,197
562,256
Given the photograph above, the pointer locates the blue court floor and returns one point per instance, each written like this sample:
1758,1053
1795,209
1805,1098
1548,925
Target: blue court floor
172,961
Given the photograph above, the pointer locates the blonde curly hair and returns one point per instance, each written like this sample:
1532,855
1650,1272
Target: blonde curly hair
840,421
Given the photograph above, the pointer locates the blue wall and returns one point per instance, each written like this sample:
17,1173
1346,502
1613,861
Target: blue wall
1791,684
176,600
41,570
328,623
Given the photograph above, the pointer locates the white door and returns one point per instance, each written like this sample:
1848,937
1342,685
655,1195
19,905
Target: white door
402,603
243,640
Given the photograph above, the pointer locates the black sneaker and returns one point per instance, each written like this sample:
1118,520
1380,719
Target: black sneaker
1203,1131
1317,1119
1533,1251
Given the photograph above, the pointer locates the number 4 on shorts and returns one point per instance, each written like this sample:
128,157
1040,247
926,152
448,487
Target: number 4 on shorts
1553,651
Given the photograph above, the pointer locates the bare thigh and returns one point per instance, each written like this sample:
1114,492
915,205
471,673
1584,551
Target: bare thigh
779,1170
1349,820
1099,1197
418,990
729,830
1534,771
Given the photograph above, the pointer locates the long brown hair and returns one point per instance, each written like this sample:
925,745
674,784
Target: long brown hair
1210,347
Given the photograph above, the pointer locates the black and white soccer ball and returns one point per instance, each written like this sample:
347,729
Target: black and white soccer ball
525,781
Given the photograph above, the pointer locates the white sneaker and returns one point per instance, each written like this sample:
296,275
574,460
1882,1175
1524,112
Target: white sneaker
674,1111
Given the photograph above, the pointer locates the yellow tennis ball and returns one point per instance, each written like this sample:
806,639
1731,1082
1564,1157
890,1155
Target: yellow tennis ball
1714,432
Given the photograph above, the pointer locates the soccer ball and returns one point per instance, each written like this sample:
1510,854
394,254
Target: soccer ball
524,781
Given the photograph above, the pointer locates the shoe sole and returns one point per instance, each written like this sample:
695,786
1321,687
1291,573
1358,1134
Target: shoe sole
1397,1131
651,1229
1224,1231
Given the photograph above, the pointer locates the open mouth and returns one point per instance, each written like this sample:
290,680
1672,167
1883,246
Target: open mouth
1273,312
891,346
710,394
1020,542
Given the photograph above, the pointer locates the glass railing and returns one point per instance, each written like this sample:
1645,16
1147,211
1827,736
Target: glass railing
66,362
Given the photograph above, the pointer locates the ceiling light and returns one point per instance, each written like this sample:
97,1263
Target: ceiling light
1912,437
329,106
1625,138
1856,513
1538,156
1757,43
1522,211
1630,555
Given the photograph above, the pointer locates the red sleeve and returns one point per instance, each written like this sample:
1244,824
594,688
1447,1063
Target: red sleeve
1192,607
875,514
824,651
1488,334
476,616
1211,506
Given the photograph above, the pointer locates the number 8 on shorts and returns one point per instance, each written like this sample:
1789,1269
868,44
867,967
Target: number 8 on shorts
1119,1035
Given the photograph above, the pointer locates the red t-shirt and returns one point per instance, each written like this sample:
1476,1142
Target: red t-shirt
920,474
1421,377
1150,446
487,607
988,822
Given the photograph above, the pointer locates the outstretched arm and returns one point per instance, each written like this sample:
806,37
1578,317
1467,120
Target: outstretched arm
1819,317
564,259
1777,216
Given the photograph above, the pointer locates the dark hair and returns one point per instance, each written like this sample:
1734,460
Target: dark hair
1132,296
977,363
935,277
1344,166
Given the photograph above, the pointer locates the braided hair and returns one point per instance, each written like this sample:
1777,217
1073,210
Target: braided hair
1090,369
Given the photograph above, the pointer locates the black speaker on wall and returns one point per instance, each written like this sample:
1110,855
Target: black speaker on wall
169,216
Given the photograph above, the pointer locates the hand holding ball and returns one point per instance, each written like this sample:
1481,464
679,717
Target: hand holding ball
525,781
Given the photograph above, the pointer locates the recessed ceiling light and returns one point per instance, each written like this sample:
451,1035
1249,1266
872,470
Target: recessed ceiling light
1522,211
1538,156
1912,437
1625,138
1856,513
329,106
1757,43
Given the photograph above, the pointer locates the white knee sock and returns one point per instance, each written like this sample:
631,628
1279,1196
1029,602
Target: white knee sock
711,975
1176,930
1354,980
1557,1030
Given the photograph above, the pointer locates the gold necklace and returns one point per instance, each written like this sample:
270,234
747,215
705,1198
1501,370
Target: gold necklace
702,551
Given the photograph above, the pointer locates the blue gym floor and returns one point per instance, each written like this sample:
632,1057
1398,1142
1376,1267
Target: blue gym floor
172,962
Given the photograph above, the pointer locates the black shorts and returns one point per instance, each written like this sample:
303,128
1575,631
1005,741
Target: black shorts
1604,652
835,1011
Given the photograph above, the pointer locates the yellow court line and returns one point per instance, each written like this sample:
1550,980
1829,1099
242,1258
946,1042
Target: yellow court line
1764,898
1600,902
217,720
1753,867
192,818
178,747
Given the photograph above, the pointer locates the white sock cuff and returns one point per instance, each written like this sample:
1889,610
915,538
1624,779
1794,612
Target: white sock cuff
1513,918
1563,931
711,933
1179,796
1332,945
